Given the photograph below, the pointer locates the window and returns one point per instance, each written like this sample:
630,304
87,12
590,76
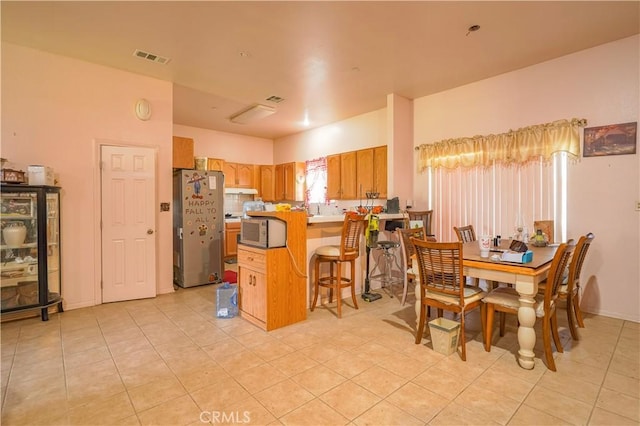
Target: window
497,198
316,178
498,181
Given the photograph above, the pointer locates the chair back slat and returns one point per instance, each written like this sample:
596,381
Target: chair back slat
352,230
554,279
405,239
465,233
578,259
440,267
424,216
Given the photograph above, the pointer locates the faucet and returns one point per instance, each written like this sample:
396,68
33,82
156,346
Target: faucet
318,210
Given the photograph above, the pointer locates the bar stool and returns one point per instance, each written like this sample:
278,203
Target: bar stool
347,252
387,258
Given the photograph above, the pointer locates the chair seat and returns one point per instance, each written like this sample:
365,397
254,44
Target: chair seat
388,244
471,294
328,251
508,297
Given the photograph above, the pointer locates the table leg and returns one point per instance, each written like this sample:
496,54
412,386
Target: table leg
526,332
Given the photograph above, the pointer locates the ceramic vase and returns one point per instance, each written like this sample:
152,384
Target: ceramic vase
14,234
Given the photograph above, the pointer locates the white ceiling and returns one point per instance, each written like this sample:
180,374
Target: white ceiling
332,60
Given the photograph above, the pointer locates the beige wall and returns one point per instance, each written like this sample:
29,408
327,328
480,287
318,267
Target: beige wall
363,131
55,111
228,146
599,84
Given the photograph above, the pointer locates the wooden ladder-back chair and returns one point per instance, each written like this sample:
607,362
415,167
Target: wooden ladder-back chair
442,284
467,234
408,251
570,288
347,252
424,217
507,300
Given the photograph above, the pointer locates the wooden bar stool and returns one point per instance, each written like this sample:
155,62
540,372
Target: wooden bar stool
347,252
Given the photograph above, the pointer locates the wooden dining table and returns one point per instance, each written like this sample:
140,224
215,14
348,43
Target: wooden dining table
525,278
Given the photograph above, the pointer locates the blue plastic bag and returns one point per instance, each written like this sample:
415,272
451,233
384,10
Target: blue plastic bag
227,301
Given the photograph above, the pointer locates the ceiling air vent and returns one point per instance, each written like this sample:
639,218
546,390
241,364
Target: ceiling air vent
151,57
275,99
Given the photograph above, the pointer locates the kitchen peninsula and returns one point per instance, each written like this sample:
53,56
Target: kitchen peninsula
326,230
274,284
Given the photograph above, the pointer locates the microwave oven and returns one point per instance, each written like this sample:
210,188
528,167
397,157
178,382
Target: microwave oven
264,232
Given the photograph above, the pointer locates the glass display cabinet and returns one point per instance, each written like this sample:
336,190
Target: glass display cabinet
30,248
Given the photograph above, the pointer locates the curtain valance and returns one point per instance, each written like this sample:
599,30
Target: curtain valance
514,147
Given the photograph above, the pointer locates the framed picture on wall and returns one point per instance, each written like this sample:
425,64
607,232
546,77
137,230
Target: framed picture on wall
614,139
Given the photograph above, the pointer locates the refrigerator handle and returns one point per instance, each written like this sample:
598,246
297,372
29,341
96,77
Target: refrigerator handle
180,233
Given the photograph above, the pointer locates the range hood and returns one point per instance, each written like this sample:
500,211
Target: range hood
248,191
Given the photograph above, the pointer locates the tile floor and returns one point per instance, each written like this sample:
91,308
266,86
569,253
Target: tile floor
169,360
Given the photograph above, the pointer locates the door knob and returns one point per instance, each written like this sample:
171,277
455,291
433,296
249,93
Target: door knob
149,231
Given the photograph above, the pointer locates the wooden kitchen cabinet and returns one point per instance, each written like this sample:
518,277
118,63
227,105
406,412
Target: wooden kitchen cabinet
272,283
231,232
371,170
341,176
182,153
267,183
253,283
364,171
289,181
380,171
238,175
216,164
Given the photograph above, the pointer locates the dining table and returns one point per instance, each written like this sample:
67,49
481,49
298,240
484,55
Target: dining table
525,278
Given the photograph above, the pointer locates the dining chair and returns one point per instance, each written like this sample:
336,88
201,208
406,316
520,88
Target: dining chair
570,287
442,284
347,252
421,218
465,233
547,228
407,250
506,300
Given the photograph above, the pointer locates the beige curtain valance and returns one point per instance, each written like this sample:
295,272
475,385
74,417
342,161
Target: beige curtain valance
514,147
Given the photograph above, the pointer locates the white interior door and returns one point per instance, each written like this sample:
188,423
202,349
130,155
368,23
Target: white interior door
128,223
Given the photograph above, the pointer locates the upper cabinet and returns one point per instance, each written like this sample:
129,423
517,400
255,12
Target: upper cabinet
182,153
237,175
289,182
380,171
267,183
351,175
216,164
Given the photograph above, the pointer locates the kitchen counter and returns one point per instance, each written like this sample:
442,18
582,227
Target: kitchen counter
340,218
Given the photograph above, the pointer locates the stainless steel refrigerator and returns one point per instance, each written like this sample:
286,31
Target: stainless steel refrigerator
198,227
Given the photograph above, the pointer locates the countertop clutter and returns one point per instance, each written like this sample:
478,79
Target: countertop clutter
340,218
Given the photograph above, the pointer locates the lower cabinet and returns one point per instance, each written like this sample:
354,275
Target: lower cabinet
272,294
231,232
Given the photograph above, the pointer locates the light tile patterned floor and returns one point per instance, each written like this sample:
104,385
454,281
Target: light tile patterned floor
169,360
